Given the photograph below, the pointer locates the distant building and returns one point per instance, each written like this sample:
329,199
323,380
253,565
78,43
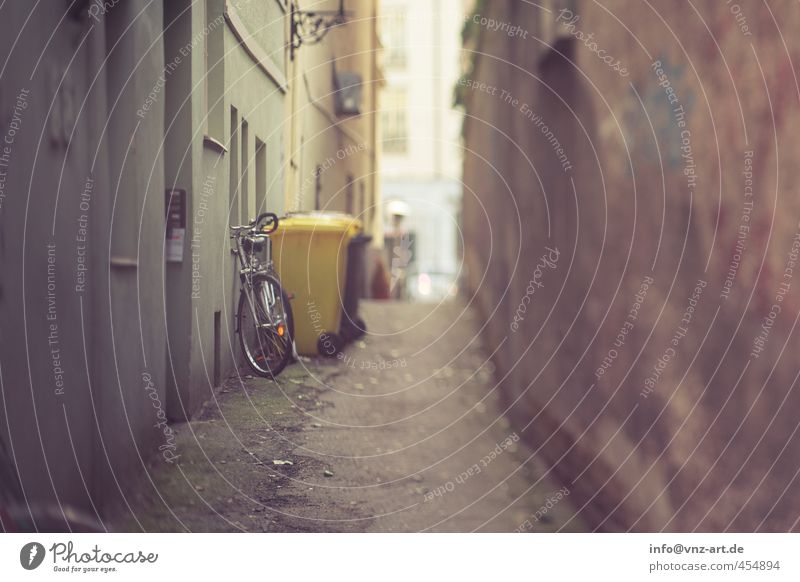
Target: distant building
422,158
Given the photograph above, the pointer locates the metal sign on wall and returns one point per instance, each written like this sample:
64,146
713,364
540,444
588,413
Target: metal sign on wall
175,200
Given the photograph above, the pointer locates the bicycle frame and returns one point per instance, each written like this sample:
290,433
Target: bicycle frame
250,265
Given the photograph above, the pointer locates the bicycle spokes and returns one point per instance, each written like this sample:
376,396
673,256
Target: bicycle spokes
266,339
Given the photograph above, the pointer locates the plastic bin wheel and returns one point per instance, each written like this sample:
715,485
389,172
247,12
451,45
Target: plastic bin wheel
357,327
330,345
353,328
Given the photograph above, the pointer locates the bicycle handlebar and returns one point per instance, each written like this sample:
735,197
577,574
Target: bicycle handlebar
271,219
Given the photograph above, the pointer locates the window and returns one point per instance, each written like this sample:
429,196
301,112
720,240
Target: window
217,349
214,79
233,172
261,177
393,37
361,205
350,207
244,177
318,188
395,121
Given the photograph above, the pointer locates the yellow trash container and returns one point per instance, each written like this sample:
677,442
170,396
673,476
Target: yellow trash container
310,254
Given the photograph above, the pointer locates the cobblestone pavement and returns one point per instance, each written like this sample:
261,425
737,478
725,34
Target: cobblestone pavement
404,432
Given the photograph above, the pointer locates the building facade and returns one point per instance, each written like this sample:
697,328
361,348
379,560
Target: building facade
135,133
257,124
82,217
332,125
225,111
422,152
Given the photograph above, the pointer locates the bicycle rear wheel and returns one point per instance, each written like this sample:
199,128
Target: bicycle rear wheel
265,326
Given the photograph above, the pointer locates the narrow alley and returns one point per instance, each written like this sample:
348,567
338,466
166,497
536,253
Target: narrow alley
404,432
399,266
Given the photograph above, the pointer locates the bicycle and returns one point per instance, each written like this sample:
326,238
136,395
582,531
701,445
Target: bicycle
264,318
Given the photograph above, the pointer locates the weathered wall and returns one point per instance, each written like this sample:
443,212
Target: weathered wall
79,168
248,93
109,107
706,437
219,174
129,345
38,282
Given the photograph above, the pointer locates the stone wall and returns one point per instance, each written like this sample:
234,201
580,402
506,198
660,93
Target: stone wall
81,357
649,149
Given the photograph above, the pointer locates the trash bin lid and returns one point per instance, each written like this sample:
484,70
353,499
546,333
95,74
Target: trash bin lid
317,221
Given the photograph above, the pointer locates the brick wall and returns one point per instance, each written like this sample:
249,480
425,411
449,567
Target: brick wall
651,149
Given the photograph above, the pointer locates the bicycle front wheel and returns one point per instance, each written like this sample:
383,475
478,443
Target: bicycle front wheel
265,326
